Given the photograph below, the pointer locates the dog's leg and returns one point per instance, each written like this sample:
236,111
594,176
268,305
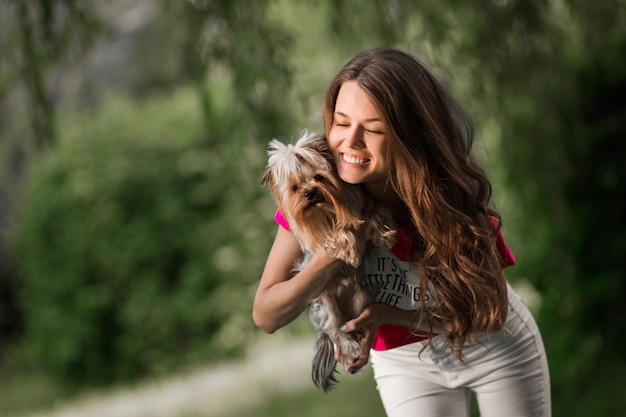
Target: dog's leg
349,343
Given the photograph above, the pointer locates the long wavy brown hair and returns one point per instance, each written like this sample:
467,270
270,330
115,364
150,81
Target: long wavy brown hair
446,192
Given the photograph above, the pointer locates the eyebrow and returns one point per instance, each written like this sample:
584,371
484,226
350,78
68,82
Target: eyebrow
372,119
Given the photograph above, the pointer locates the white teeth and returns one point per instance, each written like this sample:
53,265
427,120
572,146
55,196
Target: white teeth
353,160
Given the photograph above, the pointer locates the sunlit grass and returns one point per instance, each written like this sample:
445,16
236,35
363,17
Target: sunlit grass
27,391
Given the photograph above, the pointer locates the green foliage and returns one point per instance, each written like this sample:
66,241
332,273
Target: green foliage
584,278
133,243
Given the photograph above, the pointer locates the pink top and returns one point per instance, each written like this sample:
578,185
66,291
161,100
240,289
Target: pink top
401,294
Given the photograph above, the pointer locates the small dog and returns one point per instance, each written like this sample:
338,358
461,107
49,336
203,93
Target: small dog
326,213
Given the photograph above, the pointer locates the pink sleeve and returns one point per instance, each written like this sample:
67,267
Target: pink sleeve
280,219
508,259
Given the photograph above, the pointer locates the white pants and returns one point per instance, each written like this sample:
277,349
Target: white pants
509,374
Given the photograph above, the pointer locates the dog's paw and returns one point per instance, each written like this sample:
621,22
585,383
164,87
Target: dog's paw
381,228
385,238
382,235
345,250
350,350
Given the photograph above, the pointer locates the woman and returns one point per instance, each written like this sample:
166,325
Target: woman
444,322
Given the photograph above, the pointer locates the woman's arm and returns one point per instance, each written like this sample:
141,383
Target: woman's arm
282,295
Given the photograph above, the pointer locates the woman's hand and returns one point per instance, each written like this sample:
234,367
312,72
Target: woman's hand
366,323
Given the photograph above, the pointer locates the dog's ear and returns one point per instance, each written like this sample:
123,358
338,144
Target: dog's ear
320,145
268,179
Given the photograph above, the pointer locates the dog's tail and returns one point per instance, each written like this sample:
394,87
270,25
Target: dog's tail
324,363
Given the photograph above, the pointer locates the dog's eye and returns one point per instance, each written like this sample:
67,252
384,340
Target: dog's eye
294,188
319,178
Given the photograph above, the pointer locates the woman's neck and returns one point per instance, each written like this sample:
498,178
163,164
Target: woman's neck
385,194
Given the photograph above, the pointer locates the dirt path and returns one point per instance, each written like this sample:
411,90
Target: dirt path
275,365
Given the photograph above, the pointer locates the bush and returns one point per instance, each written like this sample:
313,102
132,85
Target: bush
139,244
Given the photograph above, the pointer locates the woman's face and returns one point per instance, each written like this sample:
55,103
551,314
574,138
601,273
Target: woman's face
357,139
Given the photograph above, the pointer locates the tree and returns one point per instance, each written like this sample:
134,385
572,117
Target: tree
47,32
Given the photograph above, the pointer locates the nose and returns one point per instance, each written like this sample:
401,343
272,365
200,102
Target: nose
310,195
354,137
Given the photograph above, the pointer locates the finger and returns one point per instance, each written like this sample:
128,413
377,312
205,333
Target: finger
366,344
356,366
350,326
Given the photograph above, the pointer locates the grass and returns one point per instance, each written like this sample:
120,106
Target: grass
27,391
355,396
273,380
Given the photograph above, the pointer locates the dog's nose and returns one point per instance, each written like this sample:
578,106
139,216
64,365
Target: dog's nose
310,195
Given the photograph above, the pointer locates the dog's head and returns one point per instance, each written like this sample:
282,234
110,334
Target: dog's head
297,169
302,179
300,176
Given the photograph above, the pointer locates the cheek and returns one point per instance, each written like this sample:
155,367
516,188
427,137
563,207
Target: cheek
332,139
380,154
333,145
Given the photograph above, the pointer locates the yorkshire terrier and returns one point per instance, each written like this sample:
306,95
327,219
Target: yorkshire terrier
327,213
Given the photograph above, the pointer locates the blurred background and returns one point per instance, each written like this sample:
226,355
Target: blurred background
134,227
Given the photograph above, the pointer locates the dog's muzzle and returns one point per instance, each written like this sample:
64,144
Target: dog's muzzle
311,195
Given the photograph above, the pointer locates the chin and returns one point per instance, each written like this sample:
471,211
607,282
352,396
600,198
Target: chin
369,181
351,180
348,175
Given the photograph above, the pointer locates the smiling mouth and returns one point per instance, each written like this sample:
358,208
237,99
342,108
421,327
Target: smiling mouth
353,160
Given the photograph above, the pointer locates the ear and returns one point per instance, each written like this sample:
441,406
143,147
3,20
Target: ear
320,145
268,182
268,179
